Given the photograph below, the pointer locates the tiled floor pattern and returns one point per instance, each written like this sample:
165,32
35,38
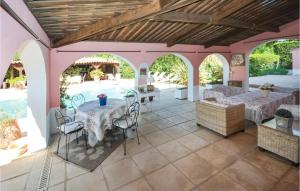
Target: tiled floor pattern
174,155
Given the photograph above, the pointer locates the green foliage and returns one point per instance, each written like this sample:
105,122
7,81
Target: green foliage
272,58
126,71
181,71
17,57
165,64
97,73
13,82
73,70
211,70
262,62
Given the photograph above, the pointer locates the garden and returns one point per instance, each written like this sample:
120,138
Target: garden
272,58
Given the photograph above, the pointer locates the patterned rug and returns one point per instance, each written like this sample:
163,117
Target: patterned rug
91,157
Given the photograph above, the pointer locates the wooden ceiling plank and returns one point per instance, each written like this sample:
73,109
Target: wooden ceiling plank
207,19
221,13
105,24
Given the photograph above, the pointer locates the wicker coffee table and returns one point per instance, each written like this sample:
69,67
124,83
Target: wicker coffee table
281,141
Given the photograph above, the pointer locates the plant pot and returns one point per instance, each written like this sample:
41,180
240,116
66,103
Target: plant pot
181,93
284,122
4,85
103,101
96,79
264,93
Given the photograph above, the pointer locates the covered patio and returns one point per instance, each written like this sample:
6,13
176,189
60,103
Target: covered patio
176,152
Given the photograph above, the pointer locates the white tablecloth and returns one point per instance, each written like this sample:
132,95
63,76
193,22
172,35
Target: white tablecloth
97,119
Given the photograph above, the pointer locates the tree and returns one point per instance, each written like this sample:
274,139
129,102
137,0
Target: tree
211,70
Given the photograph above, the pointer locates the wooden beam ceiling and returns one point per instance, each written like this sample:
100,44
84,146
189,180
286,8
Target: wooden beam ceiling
219,14
104,24
208,19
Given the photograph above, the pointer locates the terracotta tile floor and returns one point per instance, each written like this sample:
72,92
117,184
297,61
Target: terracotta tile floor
174,154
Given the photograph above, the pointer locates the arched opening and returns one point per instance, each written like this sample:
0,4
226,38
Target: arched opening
24,114
173,70
214,70
274,62
95,74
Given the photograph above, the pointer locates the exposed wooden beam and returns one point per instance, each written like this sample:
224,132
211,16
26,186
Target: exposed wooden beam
104,24
223,36
219,14
208,19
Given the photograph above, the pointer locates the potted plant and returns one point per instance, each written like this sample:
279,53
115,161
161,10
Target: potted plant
181,92
102,99
97,74
284,118
265,89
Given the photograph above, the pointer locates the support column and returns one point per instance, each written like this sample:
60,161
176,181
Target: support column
193,86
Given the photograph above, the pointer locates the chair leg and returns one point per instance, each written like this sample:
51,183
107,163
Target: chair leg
77,137
67,147
58,143
85,137
137,134
125,137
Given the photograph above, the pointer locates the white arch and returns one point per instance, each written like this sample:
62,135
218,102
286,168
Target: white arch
193,91
35,67
225,67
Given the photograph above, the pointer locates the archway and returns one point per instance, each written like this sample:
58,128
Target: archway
272,62
214,70
174,68
25,108
99,73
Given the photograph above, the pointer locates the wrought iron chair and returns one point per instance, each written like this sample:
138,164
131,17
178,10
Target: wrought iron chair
77,100
129,120
130,98
68,126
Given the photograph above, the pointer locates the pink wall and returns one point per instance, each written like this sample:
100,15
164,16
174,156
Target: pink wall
14,37
134,53
288,31
296,58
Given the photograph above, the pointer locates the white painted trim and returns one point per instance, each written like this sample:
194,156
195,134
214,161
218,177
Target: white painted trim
296,71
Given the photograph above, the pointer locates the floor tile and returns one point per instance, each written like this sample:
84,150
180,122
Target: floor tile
173,150
57,173
249,176
165,114
138,185
115,156
221,182
169,178
59,187
208,135
233,148
192,142
177,119
266,163
217,157
149,160
163,123
195,168
73,170
15,184
147,128
190,126
158,138
88,181
16,168
121,173
133,147
175,132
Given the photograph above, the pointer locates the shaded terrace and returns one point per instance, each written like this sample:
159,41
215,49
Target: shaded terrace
52,35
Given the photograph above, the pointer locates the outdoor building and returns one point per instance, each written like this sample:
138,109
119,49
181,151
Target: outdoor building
159,95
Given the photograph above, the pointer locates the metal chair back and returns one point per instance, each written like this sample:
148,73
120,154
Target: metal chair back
133,112
77,100
131,97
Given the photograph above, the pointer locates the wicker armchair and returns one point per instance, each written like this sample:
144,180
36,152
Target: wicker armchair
223,119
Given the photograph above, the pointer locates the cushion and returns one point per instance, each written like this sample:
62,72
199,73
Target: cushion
71,126
121,123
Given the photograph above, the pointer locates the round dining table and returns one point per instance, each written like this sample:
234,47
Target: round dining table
98,118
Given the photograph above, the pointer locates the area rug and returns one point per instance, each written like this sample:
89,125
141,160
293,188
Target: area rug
92,157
